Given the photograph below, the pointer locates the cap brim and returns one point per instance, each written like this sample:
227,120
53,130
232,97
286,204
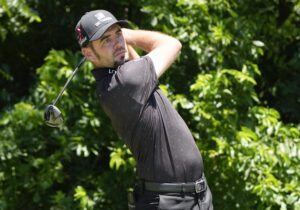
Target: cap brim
101,31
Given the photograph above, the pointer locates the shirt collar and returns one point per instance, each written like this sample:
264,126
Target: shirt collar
100,73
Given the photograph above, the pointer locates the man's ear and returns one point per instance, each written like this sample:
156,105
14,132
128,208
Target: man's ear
88,54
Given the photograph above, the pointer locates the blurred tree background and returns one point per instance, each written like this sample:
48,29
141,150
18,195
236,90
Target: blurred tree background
240,96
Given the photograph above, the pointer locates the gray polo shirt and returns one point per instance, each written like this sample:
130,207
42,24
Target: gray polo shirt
143,117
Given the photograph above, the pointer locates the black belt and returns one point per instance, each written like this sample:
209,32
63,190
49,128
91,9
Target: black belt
192,187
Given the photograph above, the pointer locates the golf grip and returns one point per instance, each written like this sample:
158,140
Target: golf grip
71,77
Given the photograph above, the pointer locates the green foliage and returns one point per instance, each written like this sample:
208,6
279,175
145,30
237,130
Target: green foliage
65,168
239,61
247,149
15,17
250,155
121,157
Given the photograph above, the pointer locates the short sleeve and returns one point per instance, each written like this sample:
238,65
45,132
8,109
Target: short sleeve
138,78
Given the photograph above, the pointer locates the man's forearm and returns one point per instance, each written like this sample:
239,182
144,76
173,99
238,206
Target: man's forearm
145,40
161,48
132,53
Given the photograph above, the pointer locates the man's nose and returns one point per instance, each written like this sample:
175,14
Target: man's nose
117,43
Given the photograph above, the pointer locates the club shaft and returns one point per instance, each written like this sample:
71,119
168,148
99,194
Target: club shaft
69,80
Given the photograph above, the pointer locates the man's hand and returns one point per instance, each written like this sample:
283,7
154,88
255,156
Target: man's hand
161,48
132,53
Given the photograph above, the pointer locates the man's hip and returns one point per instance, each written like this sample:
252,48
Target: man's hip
150,195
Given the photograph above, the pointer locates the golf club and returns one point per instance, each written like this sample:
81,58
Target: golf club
53,116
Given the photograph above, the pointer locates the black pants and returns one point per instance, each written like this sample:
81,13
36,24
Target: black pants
146,200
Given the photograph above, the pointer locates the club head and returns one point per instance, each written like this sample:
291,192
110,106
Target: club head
53,116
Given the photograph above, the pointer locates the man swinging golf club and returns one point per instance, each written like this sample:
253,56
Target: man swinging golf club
169,163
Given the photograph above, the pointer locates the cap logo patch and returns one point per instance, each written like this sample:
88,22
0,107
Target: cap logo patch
101,18
81,37
78,30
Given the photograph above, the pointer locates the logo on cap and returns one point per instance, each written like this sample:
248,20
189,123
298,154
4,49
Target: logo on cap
82,38
101,18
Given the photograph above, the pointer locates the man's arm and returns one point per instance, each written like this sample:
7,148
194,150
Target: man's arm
162,49
132,53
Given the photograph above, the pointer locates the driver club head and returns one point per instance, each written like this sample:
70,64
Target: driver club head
53,116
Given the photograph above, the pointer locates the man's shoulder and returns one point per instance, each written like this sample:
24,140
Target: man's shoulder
142,61
136,73
133,69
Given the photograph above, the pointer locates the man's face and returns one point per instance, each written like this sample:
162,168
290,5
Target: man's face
110,50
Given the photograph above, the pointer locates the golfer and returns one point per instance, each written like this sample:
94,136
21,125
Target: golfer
169,164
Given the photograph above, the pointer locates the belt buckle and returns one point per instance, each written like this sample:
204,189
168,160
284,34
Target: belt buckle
200,185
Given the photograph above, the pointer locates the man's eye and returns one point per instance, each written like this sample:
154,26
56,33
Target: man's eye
107,40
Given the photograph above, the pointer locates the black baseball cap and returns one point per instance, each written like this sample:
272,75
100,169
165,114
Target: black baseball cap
94,24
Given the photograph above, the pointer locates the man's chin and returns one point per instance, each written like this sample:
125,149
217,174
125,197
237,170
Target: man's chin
119,62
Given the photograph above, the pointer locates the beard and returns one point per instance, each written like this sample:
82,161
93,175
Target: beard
122,58
119,62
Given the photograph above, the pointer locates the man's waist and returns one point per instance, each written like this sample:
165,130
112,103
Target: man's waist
189,187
